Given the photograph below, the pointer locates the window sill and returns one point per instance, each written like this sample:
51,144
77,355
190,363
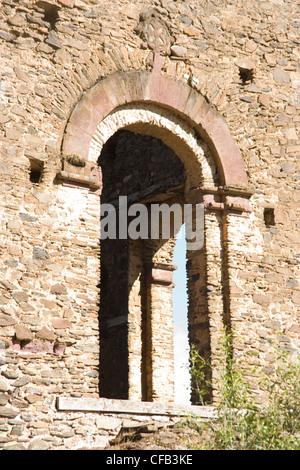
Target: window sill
105,405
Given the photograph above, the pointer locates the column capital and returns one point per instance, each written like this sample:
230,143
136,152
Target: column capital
160,273
78,173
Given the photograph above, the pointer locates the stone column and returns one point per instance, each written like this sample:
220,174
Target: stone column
210,279
136,300
204,272
249,299
159,351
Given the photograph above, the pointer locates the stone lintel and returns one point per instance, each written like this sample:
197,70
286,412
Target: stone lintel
222,190
221,198
106,405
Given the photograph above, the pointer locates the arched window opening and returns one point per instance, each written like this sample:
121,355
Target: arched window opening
136,322
213,176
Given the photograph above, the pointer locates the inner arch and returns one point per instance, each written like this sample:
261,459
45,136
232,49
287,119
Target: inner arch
175,133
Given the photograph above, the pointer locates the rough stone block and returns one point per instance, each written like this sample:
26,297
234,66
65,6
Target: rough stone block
46,334
58,289
23,333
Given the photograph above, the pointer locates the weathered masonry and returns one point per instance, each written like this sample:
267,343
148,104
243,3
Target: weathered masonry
162,102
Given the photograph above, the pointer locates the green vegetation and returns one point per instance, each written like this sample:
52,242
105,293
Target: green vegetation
242,423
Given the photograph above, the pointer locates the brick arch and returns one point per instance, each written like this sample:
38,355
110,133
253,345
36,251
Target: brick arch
124,88
148,119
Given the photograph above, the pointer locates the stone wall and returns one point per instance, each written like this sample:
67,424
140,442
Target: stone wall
243,58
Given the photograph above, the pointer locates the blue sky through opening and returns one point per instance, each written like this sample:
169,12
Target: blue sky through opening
180,307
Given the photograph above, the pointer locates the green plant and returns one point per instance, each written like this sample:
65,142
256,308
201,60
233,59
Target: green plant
199,368
244,424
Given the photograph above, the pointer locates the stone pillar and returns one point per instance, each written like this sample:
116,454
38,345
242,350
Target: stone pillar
249,297
210,286
136,300
205,313
215,291
159,352
198,321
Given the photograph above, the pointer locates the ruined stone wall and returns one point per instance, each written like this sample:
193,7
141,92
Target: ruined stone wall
243,57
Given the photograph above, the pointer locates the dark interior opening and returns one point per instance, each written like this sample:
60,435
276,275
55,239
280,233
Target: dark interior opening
36,171
50,12
269,216
246,75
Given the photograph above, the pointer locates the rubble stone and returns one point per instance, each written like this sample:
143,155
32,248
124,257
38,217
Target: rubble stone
166,101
